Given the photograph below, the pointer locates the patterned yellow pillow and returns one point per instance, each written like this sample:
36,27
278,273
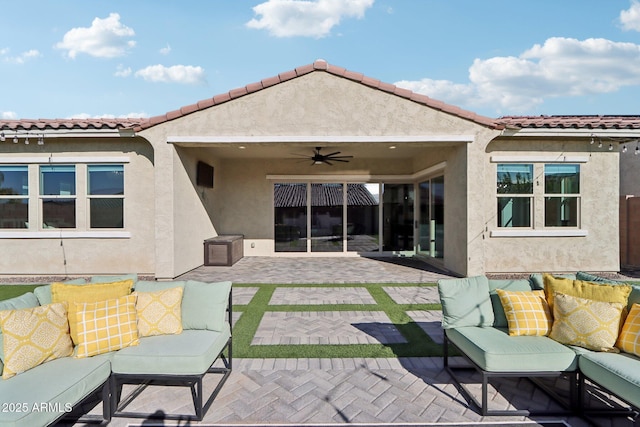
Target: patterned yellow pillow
527,312
586,323
61,292
604,292
106,326
629,339
33,336
160,312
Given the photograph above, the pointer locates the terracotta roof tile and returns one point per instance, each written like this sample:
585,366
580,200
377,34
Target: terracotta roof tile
572,122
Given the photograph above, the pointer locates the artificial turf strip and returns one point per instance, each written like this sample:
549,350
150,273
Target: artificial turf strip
11,291
418,344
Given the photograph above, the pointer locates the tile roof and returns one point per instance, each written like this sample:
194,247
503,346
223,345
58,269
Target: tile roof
35,125
560,122
571,122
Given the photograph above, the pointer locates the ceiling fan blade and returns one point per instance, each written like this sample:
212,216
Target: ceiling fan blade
340,160
339,157
328,162
331,154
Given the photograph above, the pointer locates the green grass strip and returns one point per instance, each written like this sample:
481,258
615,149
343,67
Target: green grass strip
418,344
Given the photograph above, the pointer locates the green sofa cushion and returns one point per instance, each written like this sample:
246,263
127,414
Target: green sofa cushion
500,318
60,383
189,353
465,302
618,372
114,278
204,305
493,350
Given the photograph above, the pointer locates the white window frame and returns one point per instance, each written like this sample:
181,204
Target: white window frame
539,161
82,230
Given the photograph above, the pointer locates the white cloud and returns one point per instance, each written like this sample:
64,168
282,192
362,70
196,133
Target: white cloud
184,74
122,71
84,116
106,38
307,18
165,50
20,59
8,115
561,67
630,18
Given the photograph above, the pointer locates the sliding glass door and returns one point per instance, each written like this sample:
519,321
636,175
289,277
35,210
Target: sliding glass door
397,214
389,218
431,229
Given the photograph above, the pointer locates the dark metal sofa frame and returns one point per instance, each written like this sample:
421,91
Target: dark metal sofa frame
117,405
483,405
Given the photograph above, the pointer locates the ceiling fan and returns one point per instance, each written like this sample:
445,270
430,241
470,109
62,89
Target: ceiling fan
318,158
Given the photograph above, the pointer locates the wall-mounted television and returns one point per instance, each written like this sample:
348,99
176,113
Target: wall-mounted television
204,175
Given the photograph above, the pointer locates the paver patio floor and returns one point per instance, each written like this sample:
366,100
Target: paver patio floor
365,391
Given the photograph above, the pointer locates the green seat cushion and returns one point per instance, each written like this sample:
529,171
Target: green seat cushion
493,350
190,353
60,383
500,319
465,302
617,372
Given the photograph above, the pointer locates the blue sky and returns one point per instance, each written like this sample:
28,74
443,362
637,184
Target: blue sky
117,58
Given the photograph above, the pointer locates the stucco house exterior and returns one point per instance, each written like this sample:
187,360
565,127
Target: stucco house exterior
418,177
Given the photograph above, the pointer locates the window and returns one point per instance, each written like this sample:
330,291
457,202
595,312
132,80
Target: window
58,196
105,192
14,197
515,195
562,195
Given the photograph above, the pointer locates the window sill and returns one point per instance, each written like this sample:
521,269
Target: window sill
65,234
539,233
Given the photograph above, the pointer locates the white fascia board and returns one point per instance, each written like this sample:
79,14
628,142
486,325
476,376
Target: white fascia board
63,159
321,139
538,159
573,133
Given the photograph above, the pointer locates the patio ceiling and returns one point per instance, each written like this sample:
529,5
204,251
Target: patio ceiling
287,150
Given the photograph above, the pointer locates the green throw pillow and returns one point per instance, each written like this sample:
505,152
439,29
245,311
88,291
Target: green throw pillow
465,302
204,305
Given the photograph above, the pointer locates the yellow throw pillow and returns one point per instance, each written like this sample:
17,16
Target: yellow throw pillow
106,326
629,339
33,336
586,323
61,292
590,290
527,312
160,312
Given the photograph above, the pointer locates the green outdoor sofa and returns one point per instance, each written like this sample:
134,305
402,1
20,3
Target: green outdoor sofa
58,389
476,325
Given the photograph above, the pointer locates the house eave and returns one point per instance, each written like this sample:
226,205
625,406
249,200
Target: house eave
320,139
